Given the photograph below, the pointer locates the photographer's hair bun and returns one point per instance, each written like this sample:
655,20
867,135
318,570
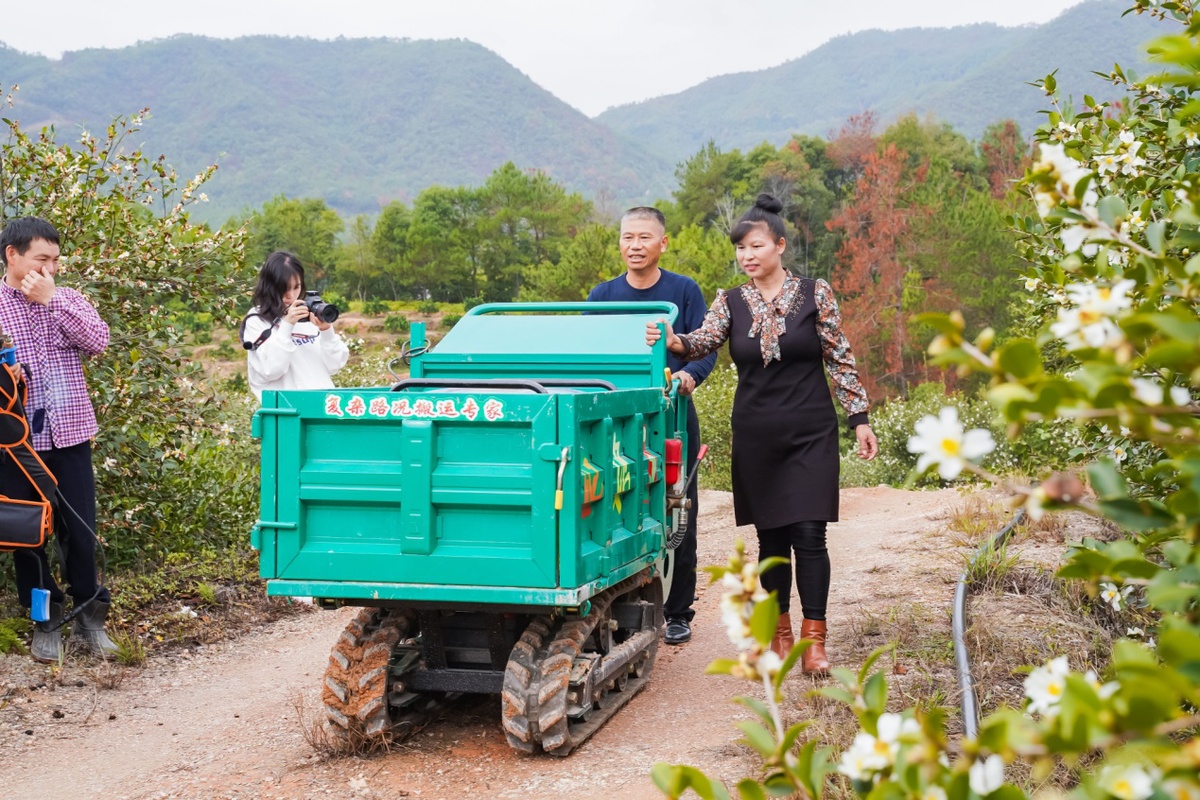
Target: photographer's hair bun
768,203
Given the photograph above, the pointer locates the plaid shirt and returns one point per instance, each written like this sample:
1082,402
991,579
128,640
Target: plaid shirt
51,341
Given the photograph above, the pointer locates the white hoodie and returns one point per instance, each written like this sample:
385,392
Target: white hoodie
299,356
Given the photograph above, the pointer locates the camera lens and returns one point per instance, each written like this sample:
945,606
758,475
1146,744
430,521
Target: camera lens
326,312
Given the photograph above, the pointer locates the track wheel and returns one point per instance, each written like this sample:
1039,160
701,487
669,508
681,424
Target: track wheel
355,692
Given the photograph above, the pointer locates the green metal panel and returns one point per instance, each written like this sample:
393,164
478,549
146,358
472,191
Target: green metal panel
378,497
508,340
447,494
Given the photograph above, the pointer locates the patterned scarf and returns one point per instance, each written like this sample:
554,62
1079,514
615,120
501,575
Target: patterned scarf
770,319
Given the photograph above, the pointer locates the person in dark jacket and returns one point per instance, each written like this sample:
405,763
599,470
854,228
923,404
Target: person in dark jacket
643,241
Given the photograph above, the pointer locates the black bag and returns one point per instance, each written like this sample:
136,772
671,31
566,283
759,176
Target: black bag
24,522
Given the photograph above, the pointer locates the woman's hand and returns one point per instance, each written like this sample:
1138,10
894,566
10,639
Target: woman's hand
297,313
674,343
868,445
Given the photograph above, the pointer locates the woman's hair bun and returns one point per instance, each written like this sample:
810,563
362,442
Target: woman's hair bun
768,203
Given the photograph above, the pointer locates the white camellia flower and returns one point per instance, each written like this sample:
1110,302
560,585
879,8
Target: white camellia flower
1131,161
1135,631
1045,686
987,776
940,440
1150,392
933,793
1127,782
737,626
1035,504
1105,690
1089,323
768,663
1110,594
1076,237
1108,163
1066,170
893,726
1181,789
866,756
1191,140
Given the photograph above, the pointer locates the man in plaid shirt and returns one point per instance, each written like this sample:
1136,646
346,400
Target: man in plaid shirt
53,329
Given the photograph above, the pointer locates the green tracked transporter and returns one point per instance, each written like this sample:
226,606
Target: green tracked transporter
501,516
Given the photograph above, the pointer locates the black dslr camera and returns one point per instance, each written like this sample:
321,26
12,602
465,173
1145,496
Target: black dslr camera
326,312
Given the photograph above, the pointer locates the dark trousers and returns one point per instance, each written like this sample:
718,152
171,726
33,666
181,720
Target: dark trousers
683,581
72,466
807,541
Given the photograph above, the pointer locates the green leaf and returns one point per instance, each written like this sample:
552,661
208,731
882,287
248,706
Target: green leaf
1112,210
940,323
1020,358
675,779
1136,515
875,655
1179,646
721,666
1106,480
758,737
757,706
1156,236
750,790
875,693
763,621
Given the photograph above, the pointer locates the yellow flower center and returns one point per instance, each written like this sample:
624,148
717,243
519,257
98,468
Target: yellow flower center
1054,689
950,446
1089,316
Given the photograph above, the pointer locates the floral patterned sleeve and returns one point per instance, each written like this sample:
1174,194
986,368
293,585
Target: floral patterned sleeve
711,334
839,360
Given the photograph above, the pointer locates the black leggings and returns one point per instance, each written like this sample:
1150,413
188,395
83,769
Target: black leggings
807,539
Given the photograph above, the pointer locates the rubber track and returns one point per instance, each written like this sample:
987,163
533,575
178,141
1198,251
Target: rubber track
355,691
537,680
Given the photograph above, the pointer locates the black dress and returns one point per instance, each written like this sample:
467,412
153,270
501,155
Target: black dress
785,461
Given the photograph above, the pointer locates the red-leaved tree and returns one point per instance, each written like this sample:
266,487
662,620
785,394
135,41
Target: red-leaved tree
870,278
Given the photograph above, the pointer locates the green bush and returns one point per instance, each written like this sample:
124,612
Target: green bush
396,323
714,402
335,298
893,424
471,302
427,307
152,277
449,320
375,308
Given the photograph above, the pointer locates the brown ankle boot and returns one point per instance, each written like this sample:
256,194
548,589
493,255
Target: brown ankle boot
814,660
783,640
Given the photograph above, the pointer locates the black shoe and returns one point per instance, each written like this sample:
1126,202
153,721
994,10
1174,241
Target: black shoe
679,630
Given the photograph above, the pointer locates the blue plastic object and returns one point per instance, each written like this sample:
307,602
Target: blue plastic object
39,609
9,356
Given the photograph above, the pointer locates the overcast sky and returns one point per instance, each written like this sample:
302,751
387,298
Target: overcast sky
591,53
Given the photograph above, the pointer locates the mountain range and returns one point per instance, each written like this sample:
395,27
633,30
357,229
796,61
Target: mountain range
361,122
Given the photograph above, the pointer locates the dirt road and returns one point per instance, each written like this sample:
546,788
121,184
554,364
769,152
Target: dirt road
228,721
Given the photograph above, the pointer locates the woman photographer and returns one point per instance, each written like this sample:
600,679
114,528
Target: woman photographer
287,346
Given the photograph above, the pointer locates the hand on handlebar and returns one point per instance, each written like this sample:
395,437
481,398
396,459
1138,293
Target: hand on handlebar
674,344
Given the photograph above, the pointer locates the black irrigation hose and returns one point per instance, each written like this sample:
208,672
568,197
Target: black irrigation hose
966,683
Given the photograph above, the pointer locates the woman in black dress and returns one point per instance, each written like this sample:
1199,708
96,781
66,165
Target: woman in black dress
784,332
